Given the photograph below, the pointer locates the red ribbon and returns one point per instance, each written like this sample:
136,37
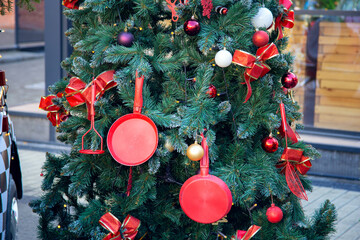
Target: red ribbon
77,92
286,20
285,129
292,161
255,66
72,4
56,114
125,231
246,235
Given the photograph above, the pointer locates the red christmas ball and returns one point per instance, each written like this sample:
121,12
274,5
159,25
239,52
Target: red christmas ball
260,38
41,174
289,80
212,91
274,214
192,27
126,39
270,144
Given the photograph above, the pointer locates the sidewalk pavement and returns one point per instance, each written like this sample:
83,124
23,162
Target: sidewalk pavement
25,72
347,202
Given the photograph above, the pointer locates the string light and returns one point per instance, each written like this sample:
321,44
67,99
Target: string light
58,226
65,205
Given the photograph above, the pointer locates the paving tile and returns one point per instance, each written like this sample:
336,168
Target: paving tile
348,228
330,194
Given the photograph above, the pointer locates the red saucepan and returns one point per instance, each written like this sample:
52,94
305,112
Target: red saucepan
205,198
133,138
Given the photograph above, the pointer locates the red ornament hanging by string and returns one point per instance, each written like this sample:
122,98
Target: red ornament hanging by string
270,144
274,214
212,92
260,38
289,80
192,27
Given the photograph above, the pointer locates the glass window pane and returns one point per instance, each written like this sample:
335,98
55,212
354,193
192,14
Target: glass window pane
327,50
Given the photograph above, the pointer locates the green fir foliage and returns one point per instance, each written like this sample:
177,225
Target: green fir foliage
178,69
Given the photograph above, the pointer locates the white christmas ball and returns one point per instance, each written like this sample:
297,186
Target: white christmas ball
223,58
263,18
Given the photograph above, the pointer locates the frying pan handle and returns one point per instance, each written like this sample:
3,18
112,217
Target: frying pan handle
138,101
204,162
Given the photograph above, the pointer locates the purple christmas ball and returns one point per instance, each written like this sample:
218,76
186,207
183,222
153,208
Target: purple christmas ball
126,39
289,80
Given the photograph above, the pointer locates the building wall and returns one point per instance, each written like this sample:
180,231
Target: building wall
32,20
8,20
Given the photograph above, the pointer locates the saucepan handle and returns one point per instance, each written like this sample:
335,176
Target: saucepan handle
204,162
138,101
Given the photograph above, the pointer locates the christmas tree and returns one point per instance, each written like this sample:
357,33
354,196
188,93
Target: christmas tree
148,82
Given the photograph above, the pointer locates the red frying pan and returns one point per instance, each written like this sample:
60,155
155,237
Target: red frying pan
205,198
133,138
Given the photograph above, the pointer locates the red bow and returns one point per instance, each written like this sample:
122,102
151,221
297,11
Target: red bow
56,114
125,231
77,92
72,4
292,160
246,235
255,66
286,20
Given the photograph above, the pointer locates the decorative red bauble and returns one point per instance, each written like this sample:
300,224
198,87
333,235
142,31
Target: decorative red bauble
274,214
270,144
212,91
260,38
192,27
41,174
289,80
126,39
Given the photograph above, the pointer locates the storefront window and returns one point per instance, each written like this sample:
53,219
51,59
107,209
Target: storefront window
327,50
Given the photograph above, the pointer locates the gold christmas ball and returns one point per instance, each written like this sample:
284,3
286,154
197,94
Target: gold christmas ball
195,152
168,146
